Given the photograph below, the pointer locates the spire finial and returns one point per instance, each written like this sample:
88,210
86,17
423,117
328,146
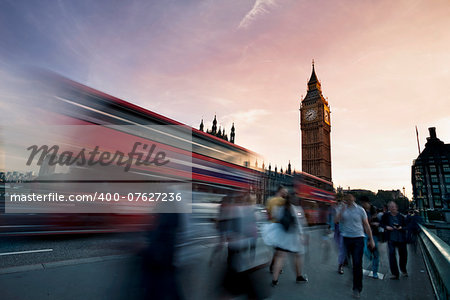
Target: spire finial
313,82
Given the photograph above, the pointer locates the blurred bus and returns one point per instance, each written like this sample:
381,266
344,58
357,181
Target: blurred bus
214,167
316,195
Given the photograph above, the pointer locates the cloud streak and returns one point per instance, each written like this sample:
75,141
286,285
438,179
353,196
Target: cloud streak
260,8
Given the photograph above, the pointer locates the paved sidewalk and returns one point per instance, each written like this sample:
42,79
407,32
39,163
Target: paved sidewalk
118,278
326,283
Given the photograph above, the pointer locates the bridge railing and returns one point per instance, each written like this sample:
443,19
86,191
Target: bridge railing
437,259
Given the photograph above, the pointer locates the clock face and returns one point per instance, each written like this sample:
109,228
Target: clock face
327,117
310,114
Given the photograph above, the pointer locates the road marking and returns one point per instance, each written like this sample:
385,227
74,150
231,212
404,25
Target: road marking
25,252
12,226
206,237
19,233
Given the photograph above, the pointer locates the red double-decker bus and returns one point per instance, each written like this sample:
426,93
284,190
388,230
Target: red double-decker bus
316,196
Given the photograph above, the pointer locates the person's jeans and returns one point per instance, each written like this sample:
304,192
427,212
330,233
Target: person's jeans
340,243
355,247
373,255
402,253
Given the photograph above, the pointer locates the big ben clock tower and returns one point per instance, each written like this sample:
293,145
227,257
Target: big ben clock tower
315,125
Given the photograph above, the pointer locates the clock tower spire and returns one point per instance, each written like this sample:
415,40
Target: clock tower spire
313,83
315,125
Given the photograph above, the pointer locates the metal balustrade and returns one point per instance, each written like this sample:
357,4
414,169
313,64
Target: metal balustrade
437,259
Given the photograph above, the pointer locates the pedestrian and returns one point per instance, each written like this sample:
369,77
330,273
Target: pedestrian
353,222
373,254
394,224
273,202
242,274
339,240
159,280
222,226
327,233
286,234
381,212
413,220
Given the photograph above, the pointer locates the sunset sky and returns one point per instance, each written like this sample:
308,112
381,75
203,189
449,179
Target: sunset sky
384,66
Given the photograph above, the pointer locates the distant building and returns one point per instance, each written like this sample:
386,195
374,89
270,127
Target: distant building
354,191
378,199
45,168
391,195
430,174
272,179
219,132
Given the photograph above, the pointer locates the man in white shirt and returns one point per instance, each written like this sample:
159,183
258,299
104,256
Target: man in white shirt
353,223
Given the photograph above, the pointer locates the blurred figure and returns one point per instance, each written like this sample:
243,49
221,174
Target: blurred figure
339,240
286,235
326,234
353,223
413,220
382,212
331,214
241,277
394,224
381,236
275,201
373,254
222,226
159,272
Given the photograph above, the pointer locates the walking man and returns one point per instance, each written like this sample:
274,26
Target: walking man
395,230
353,223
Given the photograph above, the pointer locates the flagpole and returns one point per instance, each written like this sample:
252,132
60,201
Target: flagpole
417,135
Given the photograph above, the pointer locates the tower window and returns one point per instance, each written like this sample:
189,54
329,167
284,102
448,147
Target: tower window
436,189
437,200
447,178
434,178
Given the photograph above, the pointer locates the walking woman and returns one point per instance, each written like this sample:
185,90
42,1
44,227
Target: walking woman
286,235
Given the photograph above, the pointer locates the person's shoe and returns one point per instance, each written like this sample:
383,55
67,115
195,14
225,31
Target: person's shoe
394,277
302,279
375,276
341,269
356,294
274,282
404,274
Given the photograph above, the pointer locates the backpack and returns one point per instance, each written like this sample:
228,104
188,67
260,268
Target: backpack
287,219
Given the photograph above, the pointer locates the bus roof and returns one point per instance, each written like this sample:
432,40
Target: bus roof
147,112
315,177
